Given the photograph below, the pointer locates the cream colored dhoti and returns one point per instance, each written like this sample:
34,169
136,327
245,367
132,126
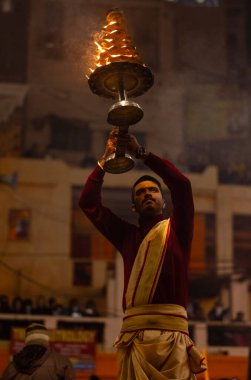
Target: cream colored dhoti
160,349
154,343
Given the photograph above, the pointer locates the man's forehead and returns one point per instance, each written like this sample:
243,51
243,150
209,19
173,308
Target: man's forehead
145,184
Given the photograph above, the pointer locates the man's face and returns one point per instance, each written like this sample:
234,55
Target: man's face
148,199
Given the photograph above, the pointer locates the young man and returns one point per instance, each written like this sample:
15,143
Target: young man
36,361
154,341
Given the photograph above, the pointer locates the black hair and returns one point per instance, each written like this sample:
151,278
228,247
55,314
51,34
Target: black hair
146,178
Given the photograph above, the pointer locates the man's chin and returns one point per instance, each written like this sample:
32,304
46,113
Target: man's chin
149,211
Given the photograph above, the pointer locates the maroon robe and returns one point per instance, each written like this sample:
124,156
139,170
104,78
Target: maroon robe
126,237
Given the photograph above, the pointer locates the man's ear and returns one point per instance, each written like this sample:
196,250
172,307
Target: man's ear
164,204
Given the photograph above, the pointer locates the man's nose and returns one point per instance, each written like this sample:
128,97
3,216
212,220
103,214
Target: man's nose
148,194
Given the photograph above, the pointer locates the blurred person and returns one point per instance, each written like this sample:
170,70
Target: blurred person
195,311
17,306
154,341
59,309
90,309
74,308
218,312
4,304
36,360
52,304
28,306
239,317
54,307
41,305
33,151
48,153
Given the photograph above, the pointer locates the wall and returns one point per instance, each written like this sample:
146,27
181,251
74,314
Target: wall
44,187
185,47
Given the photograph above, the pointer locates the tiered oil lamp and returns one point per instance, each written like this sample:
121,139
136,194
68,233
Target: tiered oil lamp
119,74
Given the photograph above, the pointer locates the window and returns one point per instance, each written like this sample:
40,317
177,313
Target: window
203,256
14,27
71,135
242,243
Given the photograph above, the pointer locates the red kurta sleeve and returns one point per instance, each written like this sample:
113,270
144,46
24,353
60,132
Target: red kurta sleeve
90,202
181,195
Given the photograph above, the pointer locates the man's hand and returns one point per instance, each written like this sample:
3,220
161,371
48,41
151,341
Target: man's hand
110,147
128,140
132,144
135,148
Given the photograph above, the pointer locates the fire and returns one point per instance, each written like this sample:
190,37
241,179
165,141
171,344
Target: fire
114,43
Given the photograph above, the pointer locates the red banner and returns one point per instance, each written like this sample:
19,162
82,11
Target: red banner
77,345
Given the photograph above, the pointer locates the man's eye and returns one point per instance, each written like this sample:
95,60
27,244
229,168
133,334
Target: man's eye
154,189
139,192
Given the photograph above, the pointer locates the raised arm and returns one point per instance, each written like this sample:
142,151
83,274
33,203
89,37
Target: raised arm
181,195
90,202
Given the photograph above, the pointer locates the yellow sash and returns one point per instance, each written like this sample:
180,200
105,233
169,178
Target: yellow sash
151,317
174,348
156,316
147,266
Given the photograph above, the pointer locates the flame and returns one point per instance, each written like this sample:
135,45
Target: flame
114,43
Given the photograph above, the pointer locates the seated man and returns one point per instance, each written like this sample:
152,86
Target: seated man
36,361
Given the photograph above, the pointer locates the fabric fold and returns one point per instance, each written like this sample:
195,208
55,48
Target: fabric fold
154,341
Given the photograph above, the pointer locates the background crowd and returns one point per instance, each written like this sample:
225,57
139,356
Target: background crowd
74,308
50,306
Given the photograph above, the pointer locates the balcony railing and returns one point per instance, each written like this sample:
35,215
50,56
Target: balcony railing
218,337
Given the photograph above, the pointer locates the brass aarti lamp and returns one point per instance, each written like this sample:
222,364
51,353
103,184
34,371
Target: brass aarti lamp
119,74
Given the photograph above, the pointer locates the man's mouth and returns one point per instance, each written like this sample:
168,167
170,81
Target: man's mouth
148,200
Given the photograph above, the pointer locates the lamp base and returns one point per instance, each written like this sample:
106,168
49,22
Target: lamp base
124,113
118,165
